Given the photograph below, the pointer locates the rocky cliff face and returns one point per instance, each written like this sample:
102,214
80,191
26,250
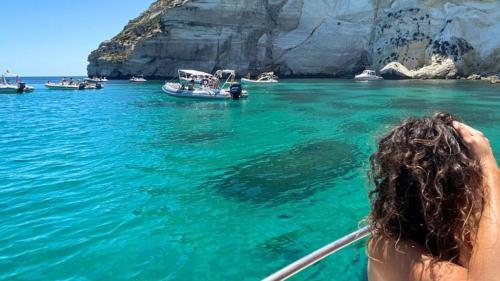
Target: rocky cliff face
303,37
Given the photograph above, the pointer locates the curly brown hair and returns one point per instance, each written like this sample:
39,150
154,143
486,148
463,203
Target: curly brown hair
428,187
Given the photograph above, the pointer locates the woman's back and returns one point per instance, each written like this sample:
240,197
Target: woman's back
391,261
429,202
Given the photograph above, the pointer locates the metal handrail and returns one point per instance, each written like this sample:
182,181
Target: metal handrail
319,255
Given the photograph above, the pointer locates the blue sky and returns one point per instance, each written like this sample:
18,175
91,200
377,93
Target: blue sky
54,37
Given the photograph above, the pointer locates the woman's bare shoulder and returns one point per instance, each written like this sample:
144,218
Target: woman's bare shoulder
403,260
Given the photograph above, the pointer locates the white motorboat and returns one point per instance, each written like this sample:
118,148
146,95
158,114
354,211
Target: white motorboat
73,86
63,86
96,80
367,75
264,78
138,79
209,89
18,88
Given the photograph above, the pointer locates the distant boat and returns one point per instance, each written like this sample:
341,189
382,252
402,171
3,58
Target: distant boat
18,88
264,78
367,75
138,79
209,88
96,80
64,85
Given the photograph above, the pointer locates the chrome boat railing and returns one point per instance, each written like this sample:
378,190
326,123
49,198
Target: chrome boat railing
319,255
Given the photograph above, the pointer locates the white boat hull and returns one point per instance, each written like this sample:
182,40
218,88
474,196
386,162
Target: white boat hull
362,77
8,89
250,81
175,90
71,87
62,87
12,89
92,80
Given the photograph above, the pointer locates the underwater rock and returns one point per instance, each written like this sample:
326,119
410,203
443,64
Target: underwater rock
292,174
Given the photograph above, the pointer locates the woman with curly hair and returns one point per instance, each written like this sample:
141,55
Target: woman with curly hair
436,204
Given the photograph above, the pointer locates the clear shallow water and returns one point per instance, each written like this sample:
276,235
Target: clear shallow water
128,183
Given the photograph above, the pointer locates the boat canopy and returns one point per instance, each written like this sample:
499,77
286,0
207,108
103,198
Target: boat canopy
193,73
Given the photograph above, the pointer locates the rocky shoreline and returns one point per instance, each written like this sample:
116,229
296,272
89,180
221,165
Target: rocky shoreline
297,38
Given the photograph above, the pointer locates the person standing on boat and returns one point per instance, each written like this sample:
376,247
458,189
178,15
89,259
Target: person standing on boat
214,83
191,84
436,204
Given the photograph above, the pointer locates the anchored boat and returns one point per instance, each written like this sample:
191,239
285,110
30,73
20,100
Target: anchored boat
17,88
65,85
137,79
209,87
96,80
367,75
264,78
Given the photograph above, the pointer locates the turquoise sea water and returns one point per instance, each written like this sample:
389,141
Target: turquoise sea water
128,183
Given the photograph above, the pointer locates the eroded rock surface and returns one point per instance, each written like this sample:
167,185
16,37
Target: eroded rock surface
305,38
441,67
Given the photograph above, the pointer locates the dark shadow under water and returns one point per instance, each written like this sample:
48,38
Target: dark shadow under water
288,175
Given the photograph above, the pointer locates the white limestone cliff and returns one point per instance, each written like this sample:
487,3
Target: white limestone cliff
304,38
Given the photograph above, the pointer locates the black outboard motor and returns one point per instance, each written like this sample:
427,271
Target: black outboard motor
98,86
21,87
235,90
81,86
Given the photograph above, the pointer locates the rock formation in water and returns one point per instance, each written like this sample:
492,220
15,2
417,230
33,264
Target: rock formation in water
441,67
306,38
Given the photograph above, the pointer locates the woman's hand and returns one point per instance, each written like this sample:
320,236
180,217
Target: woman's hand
479,144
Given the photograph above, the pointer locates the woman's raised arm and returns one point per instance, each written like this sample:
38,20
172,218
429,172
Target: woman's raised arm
484,262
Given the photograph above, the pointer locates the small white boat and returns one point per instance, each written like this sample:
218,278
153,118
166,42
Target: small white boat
367,75
138,79
209,89
64,86
18,88
264,78
96,80
73,86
